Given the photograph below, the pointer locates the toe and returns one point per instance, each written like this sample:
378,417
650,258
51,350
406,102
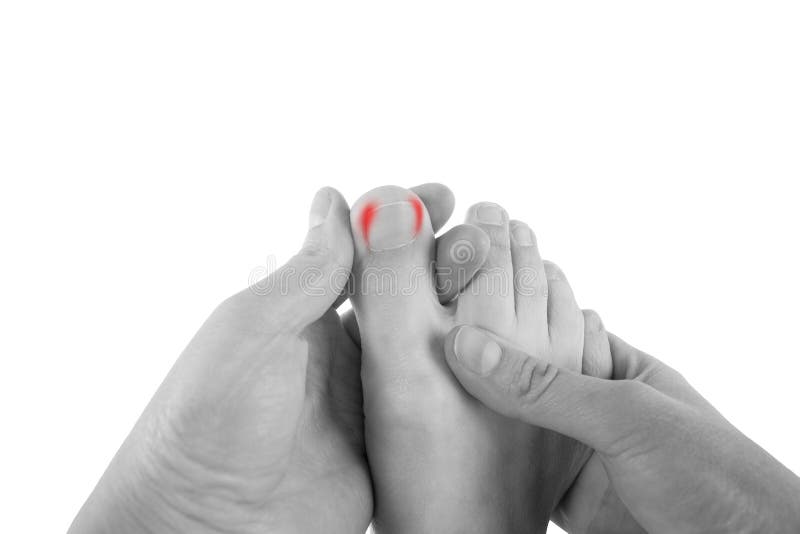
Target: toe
530,282
389,218
596,350
438,200
489,301
460,253
564,318
393,282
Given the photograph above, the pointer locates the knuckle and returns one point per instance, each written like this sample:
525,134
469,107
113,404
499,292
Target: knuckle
530,381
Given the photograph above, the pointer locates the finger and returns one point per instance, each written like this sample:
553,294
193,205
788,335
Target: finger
351,326
460,253
302,290
438,200
596,412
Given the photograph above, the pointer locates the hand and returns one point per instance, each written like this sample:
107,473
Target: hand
259,425
259,421
592,505
674,461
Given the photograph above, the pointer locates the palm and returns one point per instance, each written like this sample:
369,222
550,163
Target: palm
325,470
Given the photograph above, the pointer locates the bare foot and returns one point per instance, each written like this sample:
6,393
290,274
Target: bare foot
439,459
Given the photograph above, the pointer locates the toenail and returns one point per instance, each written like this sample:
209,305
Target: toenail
491,214
394,225
523,235
476,351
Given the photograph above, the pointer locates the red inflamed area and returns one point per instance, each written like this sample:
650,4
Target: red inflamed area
370,210
417,203
367,218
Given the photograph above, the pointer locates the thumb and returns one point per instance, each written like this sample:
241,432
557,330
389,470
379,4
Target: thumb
312,280
594,411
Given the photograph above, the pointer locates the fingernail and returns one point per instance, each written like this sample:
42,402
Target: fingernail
523,235
393,226
319,208
493,214
476,351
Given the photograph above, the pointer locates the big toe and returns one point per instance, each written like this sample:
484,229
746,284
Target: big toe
394,246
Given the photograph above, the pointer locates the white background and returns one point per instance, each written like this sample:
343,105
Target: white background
153,153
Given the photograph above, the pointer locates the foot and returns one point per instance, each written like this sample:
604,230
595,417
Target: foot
432,448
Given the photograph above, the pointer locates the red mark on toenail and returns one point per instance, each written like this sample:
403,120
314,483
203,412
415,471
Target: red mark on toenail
417,204
367,217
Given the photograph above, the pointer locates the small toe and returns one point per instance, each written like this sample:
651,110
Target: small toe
530,281
564,319
596,350
439,201
489,300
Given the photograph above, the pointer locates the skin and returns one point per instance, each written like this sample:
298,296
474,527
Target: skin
258,427
675,463
440,461
592,505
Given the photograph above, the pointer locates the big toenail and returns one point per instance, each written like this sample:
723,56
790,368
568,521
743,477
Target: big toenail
523,236
491,214
394,225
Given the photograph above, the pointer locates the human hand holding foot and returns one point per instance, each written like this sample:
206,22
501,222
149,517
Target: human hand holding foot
675,462
259,427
